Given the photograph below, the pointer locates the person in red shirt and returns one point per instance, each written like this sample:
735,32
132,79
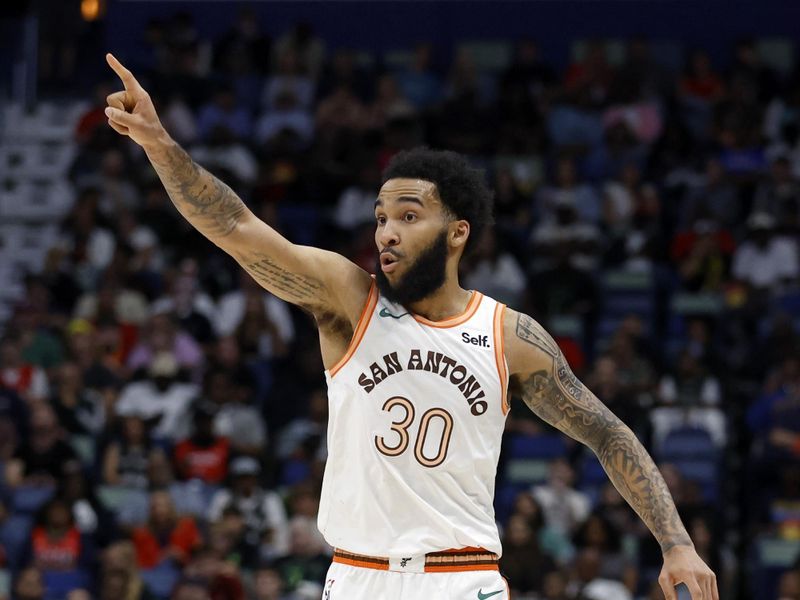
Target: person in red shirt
165,536
204,455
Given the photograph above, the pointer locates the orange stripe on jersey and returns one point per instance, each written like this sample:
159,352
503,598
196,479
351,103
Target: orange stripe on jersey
460,568
500,353
360,563
361,328
472,306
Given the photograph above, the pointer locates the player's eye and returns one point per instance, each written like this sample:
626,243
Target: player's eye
410,217
380,219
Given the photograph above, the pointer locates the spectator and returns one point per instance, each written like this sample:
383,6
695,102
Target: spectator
305,562
127,457
389,103
418,83
57,546
523,561
29,585
237,419
588,81
224,153
568,190
91,517
119,576
277,328
356,204
714,197
765,262
690,385
565,237
162,334
269,585
305,45
161,397
779,195
165,536
528,71
703,255
290,80
495,271
563,506
589,583
220,578
599,534
700,83
223,113
340,111
287,119
204,455
27,380
191,307
38,459
263,511
78,409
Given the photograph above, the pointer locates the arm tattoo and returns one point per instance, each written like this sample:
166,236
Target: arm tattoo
559,398
206,202
293,287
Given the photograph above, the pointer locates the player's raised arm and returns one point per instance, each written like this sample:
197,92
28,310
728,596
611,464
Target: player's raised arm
541,376
298,274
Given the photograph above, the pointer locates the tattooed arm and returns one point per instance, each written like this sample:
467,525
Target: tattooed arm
540,374
325,283
544,380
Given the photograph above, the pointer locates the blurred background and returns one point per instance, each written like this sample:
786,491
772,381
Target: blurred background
162,419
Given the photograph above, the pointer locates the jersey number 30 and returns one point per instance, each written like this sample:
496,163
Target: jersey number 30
401,429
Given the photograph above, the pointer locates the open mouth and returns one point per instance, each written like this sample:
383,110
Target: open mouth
388,261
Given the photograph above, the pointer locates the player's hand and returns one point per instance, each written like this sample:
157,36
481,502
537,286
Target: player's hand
131,111
683,565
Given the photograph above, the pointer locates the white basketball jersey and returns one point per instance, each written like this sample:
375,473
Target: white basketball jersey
417,411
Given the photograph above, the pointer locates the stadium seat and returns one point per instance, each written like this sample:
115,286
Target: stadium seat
59,583
545,446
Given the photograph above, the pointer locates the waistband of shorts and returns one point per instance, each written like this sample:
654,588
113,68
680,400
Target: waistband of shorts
445,561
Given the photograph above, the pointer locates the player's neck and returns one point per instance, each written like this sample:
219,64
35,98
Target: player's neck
448,301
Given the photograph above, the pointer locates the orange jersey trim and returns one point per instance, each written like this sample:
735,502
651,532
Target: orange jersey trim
445,561
361,328
470,309
500,354
460,568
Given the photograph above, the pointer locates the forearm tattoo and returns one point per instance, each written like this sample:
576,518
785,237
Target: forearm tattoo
206,202
293,287
559,398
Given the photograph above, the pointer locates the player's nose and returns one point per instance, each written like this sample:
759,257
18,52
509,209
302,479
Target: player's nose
388,236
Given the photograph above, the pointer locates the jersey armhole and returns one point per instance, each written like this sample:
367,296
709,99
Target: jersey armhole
361,328
500,355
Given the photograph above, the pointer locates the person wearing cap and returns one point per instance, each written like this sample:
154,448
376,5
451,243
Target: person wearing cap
262,509
765,261
161,397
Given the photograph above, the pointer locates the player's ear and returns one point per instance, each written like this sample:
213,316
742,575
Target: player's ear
458,233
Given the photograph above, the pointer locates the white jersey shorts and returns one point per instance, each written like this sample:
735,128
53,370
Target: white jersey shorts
355,577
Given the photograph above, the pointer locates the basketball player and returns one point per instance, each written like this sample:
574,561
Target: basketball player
418,372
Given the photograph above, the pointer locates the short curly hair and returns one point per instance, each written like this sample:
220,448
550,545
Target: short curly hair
461,187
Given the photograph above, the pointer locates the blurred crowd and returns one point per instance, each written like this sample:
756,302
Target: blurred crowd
163,420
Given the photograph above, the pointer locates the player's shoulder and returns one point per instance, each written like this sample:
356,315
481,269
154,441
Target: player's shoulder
527,344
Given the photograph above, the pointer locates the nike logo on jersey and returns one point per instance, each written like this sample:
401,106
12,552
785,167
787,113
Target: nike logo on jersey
482,596
475,340
385,313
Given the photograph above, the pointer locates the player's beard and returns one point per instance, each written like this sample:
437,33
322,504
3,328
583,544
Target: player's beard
425,275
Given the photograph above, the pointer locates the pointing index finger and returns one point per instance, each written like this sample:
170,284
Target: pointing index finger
128,80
